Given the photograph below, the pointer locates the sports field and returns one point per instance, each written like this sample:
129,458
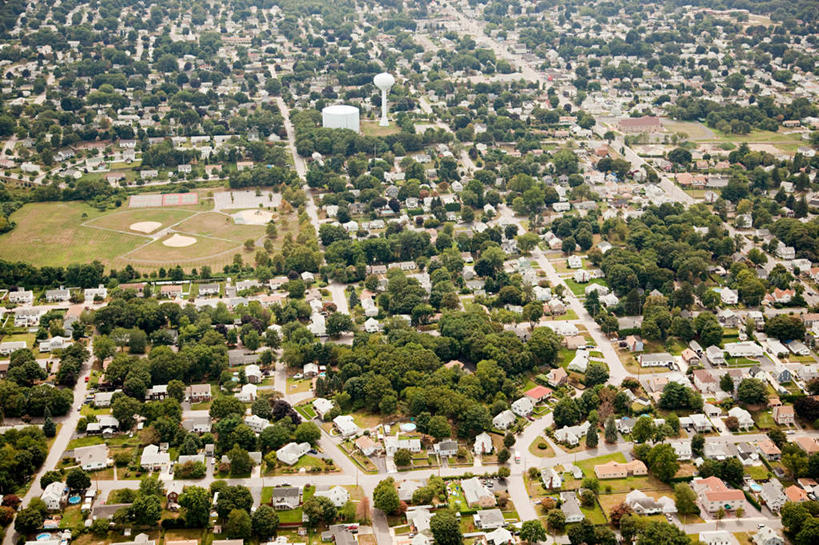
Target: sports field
62,233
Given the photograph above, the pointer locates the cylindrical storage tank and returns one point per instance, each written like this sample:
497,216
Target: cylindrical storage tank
340,116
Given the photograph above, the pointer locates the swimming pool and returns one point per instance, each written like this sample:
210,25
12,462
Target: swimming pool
755,487
74,500
44,536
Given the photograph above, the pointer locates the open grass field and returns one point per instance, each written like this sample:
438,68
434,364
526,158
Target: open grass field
51,234
371,128
122,221
692,129
216,225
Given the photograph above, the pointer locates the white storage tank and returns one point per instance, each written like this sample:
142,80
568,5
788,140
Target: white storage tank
340,116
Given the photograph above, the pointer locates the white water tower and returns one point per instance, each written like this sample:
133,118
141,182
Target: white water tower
384,81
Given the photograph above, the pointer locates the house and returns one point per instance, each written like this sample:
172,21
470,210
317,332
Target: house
336,494
773,495
157,392
716,451
447,447
716,537
659,359
744,418
198,393
571,435
9,347
197,424
173,489
58,296
504,420
715,355
407,488
419,520
367,446
570,507
808,444
551,479
682,449
489,519
256,423
645,505
103,399
745,349
779,296
523,407
768,450
728,296
483,444
796,494
766,536
580,362
285,498
154,460
798,348
711,411
499,536
784,415
393,443
247,394
704,381
92,458
55,495
346,426
747,453
618,470
713,494
21,296
253,374
575,262
697,422
477,494
538,394
322,406
781,373
690,357
310,370
557,377
94,294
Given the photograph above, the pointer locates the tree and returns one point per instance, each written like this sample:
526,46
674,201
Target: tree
596,373
662,462
124,409
661,533
532,531
503,455
719,515
385,496
592,437
77,479
319,510
265,522
307,432
239,525
643,430
698,444
556,520
337,323
445,528
618,512
726,383
240,462
196,502
29,520
49,477
611,430
752,391
402,457
685,499
439,427
146,510
49,428
581,533
785,327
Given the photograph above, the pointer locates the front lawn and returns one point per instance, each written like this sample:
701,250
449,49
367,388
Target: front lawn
535,449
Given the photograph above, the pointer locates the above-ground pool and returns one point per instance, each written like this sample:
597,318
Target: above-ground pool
408,427
74,500
44,536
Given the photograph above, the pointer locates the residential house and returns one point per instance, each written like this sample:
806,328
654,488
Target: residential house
715,355
477,494
393,443
768,450
728,296
367,446
538,394
557,377
338,495
483,444
489,519
447,447
247,394
746,349
766,536
551,479
256,423
253,374
198,393
504,420
714,494
796,494
690,357
92,458
58,296
784,415
571,507
645,505
746,421
571,435
419,520
154,459
634,343
285,498
346,426
682,449
322,406
808,444
660,359
523,407
773,495
55,495
618,470
716,537
696,422
704,381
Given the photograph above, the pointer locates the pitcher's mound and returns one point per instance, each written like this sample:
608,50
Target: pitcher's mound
145,226
252,217
179,241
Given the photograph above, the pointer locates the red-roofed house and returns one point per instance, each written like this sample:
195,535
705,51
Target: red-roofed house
713,494
796,494
538,393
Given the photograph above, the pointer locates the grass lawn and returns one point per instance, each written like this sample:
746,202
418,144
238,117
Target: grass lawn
580,289
594,514
87,441
306,462
764,420
365,420
569,315
299,386
371,128
307,411
88,410
51,234
757,473
587,466
744,538
565,357
72,517
123,219
547,452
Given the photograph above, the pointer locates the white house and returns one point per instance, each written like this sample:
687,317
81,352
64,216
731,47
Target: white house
717,537
256,423
322,406
483,444
54,496
92,458
336,494
523,407
291,452
745,419
503,420
728,296
346,426
247,394
153,459
773,494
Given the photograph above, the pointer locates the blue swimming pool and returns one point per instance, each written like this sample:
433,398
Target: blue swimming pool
44,536
74,500
755,487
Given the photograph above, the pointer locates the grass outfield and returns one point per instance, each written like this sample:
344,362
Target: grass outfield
51,234
123,220
214,224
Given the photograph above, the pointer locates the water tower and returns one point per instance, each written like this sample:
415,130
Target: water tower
384,81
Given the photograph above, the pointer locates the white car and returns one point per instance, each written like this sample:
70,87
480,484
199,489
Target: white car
298,376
